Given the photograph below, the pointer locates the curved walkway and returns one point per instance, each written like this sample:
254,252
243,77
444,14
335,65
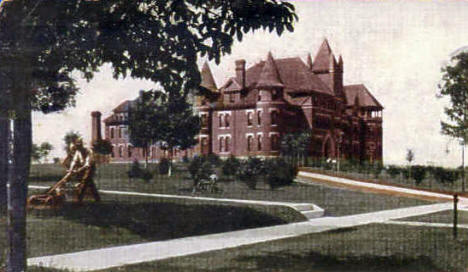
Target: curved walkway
308,210
130,254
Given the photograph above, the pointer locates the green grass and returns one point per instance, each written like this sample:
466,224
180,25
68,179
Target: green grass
336,201
121,220
369,248
439,217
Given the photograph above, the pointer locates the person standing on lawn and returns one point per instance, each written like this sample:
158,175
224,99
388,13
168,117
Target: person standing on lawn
84,166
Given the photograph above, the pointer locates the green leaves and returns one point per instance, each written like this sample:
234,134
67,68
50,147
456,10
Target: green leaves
454,85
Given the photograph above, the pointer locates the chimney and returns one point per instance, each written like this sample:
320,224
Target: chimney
95,126
240,72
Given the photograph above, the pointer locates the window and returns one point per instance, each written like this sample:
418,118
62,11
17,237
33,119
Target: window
203,142
274,117
274,142
221,143
259,142
226,145
259,97
259,118
120,132
249,142
113,152
226,120
231,98
221,120
120,151
204,121
129,151
112,133
249,118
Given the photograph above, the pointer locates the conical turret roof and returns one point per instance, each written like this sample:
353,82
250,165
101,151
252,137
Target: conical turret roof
269,76
207,80
322,59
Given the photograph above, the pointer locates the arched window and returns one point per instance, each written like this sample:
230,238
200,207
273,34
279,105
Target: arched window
274,117
226,120
120,151
129,151
259,118
249,118
259,142
221,116
112,133
226,145
249,143
221,143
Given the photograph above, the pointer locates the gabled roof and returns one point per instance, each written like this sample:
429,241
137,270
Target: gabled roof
293,73
232,85
322,59
362,94
207,80
269,76
123,107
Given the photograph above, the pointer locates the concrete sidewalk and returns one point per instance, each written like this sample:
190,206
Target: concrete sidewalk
124,255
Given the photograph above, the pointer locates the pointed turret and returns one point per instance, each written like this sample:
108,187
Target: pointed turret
340,63
322,59
332,65
309,61
269,76
207,80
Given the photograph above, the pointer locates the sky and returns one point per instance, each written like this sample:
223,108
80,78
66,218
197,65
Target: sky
395,48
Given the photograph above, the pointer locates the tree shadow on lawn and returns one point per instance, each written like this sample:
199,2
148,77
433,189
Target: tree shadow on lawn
161,221
314,261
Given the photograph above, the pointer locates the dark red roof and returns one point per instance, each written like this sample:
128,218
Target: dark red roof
293,74
365,98
123,107
322,59
269,76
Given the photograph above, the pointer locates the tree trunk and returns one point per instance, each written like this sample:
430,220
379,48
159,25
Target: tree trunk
169,172
17,192
4,125
145,150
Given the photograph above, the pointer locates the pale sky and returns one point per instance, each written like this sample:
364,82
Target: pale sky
395,48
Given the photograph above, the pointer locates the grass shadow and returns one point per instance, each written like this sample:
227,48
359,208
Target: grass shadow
161,221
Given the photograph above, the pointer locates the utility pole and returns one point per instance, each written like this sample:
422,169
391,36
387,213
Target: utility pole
455,215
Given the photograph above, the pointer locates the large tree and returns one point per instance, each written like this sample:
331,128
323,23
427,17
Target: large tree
39,152
43,41
454,86
163,119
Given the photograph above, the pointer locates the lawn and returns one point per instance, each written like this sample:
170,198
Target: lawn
335,201
375,247
121,220
439,217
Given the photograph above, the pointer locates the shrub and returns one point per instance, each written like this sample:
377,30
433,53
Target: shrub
393,171
279,173
102,146
250,171
135,170
419,173
230,166
163,166
445,175
200,168
214,160
377,169
146,175
56,160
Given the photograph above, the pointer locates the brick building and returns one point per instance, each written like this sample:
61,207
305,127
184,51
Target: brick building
251,111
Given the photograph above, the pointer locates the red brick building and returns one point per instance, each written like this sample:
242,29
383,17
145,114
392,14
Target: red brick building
251,111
